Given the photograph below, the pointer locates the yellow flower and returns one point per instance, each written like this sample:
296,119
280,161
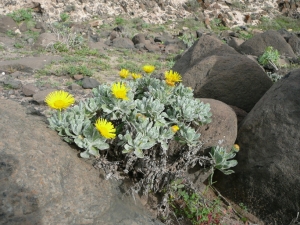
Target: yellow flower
172,77
170,83
59,100
119,90
124,73
106,128
175,128
148,68
236,147
136,76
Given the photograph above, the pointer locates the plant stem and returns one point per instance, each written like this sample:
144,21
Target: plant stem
59,115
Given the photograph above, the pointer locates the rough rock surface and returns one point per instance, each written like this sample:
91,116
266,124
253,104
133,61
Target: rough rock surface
206,46
257,45
27,64
222,130
294,42
215,70
6,24
45,40
267,175
42,181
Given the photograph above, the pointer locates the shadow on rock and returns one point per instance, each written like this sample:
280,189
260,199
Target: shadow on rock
18,205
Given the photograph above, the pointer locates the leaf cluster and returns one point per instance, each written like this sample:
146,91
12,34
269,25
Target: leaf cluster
223,160
270,56
188,39
21,15
192,205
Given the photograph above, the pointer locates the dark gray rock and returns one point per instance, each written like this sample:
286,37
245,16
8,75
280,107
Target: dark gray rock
205,46
294,42
285,34
113,35
235,42
42,180
40,96
258,43
139,39
120,42
75,86
89,83
29,89
140,46
215,70
44,40
266,178
240,114
151,47
12,83
163,38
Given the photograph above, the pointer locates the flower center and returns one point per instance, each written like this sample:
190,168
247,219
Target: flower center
120,94
59,103
104,131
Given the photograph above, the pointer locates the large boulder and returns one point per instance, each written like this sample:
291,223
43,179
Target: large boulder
222,130
42,181
215,70
257,44
294,42
120,42
267,177
206,46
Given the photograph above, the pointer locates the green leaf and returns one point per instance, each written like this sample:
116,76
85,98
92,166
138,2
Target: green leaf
139,153
85,155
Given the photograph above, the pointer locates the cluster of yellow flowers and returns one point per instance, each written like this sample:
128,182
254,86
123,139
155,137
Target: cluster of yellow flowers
61,100
171,76
124,73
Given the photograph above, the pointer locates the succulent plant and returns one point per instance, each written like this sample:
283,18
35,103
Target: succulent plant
223,160
134,121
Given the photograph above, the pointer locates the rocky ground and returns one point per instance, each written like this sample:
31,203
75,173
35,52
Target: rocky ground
47,53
